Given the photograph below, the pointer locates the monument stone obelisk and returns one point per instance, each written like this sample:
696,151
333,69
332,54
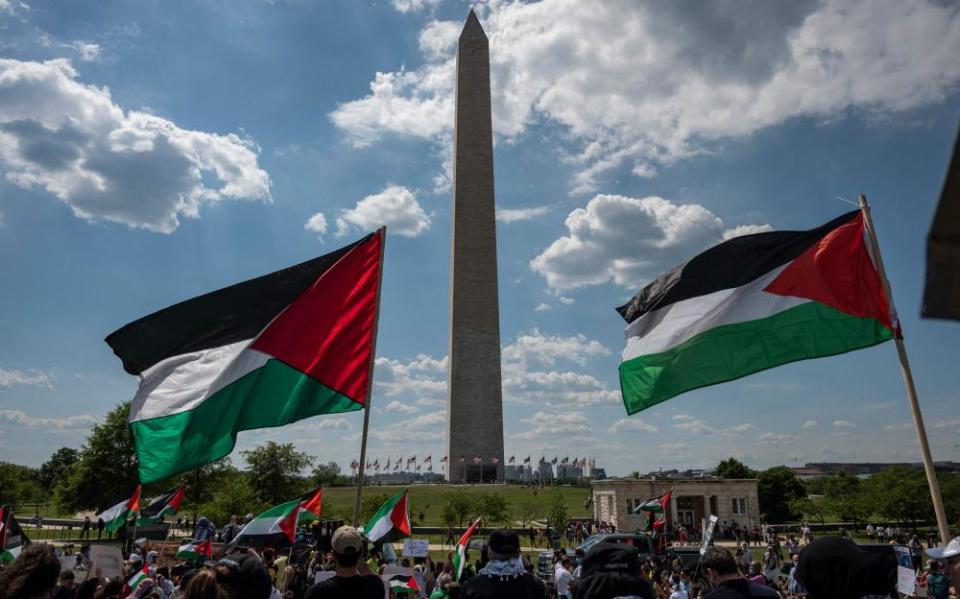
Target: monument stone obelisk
475,402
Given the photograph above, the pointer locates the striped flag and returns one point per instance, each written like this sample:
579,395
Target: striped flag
460,557
115,517
193,550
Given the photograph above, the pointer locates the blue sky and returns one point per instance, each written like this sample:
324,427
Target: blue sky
152,151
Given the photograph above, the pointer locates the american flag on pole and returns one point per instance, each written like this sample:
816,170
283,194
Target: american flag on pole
512,460
526,460
443,460
495,460
477,460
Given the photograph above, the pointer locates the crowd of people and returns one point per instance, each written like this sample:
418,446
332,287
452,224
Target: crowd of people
830,567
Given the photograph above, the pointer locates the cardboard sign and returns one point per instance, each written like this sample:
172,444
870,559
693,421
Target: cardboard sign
416,547
107,561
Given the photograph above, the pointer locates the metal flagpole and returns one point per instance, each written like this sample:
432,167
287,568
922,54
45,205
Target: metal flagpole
908,383
366,406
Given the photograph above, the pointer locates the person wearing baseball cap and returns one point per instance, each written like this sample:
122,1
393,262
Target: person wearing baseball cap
347,583
949,555
503,576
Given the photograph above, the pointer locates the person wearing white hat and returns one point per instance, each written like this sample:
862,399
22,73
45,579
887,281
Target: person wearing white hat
949,554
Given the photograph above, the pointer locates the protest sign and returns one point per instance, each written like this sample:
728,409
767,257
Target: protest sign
708,535
107,561
906,581
416,547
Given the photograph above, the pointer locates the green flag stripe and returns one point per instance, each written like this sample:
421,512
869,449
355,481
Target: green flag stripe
728,352
272,395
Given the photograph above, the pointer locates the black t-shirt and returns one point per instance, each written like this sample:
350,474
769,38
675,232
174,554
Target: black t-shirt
741,588
521,587
347,587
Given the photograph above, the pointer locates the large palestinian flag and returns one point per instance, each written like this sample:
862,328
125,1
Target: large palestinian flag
262,353
116,517
392,520
752,303
167,504
11,534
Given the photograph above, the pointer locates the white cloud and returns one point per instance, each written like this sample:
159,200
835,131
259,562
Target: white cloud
537,347
544,425
423,377
87,51
413,5
632,424
418,429
740,428
129,167
396,207
745,230
698,426
673,447
19,418
843,424
626,240
336,424
955,423
566,300
317,223
904,426
512,215
398,406
542,307
647,84
36,378
776,439
809,424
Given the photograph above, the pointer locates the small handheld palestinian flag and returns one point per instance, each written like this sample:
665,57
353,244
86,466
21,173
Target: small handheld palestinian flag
11,554
278,525
752,303
460,557
403,584
193,551
139,577
167,504
262,353
116,516
392,520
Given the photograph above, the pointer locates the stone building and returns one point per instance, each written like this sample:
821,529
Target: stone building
731,500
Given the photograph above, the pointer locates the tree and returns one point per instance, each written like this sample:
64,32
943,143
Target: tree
776,488
327,475
370,505
733,468
844,497
275,471
809,508
106,472
202,484
56,467
231,496
900,493
457,509
18,485
492,507
527,511
557,512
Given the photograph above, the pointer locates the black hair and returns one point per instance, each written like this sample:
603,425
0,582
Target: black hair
719,560
347,560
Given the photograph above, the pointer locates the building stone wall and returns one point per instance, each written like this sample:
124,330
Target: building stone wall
691,502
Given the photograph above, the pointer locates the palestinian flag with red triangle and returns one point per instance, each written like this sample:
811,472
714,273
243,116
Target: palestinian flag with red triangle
277,527
752,303
262,353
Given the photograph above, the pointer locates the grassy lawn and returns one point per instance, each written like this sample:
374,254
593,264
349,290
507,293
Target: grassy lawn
430,499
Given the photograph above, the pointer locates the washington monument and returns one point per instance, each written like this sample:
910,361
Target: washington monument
475,402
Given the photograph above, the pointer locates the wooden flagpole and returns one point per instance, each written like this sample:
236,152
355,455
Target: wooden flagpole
366,406
908,383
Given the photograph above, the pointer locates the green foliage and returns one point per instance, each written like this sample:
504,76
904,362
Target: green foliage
370,505
776,488
56,467
733,468
900,493
107,469
527,511
327,475
233,496
275,471
557,512
457,509
18,486
809,507
204,483
493,508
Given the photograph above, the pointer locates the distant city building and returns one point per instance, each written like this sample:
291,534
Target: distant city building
544,470
864,469
598,473
569,471
523,474
731,500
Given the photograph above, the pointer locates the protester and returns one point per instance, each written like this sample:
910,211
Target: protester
727,582
562,577
504,574
348,583
835,568
200,584
938,584
612,570
242,576
33,575
949,554
230,530
65,586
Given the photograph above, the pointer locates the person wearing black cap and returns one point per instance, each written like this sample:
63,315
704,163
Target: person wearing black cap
612,570
503,576
348,583
242,576
727,582
836,568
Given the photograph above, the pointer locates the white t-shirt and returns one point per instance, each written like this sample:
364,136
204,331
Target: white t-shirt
679,594
562,579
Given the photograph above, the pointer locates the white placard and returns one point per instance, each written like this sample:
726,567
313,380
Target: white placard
107,561
323,575
416,547
68,563
906,581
